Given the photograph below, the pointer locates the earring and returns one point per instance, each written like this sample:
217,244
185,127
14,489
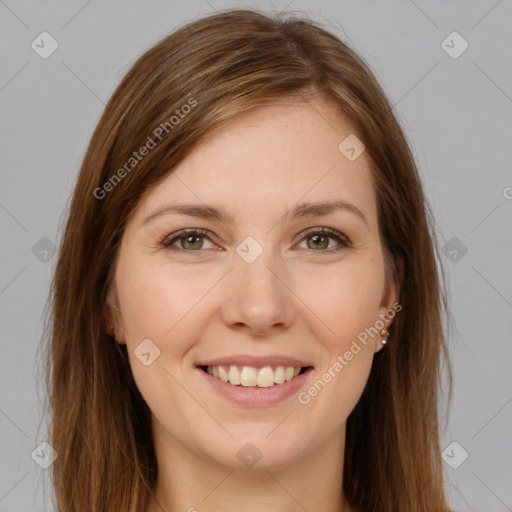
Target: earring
385,335
111,326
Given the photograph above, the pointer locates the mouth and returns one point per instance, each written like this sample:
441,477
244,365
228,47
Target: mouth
255,381
255,377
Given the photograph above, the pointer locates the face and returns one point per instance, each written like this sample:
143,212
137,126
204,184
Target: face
250,282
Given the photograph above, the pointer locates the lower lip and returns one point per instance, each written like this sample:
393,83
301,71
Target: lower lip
252,396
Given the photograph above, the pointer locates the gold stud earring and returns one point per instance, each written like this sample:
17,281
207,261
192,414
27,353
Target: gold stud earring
385,335
112,327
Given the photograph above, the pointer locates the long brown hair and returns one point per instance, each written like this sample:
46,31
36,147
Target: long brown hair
220,66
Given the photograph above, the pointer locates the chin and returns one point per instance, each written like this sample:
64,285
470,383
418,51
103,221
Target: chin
254,449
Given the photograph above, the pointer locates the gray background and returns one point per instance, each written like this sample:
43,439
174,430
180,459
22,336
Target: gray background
456,113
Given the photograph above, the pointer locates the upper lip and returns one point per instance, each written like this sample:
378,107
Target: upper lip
254,361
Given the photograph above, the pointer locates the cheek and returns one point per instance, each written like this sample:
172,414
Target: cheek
347,301
159,306
165,307
157,303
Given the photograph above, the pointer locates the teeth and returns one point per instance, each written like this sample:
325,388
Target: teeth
254,377
266,377
249,376
279,375
223,374
234,375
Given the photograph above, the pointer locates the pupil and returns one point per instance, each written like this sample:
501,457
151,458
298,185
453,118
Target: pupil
191,237
317,238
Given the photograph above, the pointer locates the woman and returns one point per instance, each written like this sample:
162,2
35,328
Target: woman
247,312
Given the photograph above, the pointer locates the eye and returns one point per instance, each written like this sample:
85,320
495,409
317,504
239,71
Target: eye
191,240
320,239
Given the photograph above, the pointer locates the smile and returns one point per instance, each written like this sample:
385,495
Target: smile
254,381
249,376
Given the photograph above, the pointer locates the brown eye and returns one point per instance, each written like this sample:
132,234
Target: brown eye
318,239
189,240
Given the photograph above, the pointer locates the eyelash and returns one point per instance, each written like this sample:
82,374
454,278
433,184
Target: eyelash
167,242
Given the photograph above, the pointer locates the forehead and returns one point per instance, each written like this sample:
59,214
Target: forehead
269,158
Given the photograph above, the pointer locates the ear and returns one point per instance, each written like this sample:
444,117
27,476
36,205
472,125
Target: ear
112,314
391,296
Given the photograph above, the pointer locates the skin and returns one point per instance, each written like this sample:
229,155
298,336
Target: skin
295,299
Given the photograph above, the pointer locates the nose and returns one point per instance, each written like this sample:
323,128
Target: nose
258,299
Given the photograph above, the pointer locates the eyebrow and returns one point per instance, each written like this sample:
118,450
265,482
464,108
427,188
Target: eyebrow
218,213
